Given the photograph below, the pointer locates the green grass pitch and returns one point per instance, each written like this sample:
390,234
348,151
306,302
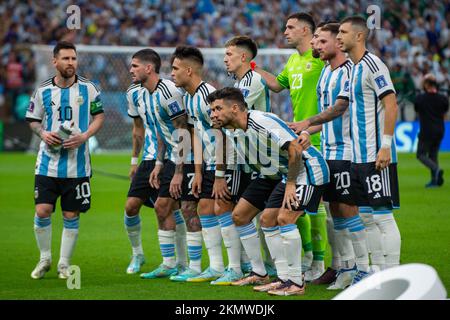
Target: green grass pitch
103,250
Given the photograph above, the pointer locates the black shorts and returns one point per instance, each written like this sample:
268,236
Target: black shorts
339,188
308,195
259,191
75,192
237,182
140,187
188,179
373,188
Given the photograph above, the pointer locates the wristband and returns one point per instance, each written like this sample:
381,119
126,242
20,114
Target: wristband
159,163
387,141
304,131
134,161
220,173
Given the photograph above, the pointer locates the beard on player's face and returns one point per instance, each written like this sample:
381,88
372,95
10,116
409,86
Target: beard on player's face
67,72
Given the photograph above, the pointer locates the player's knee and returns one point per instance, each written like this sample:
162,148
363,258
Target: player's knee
284,219
267,220
70,214
162,207
239,218
44,210
132,206
220,207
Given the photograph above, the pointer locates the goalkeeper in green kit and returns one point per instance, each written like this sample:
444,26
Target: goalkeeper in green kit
300,75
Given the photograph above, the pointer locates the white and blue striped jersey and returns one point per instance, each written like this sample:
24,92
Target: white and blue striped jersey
255,91
370,81
137,97
53,105
335,139
199,112
265,150
166,104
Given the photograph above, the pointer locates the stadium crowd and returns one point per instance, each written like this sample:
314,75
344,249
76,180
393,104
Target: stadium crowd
413,39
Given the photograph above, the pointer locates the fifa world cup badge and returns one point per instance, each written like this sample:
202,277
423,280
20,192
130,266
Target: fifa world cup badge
80,100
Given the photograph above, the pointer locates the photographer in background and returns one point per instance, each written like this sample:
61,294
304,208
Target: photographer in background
431,108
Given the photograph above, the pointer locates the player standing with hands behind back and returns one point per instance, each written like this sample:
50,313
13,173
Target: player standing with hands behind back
63,167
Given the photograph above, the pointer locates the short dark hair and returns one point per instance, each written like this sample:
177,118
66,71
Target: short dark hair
357,21
321,24
188,52
305,17
150,56
243,42
331,27
229,94
63,45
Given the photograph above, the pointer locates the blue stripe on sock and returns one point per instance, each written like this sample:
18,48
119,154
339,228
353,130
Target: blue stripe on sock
288,228
71,223
365,210
382,211
167,250
355,224
132,221
42,222
195,252
246,230
339,223
178,217
225,219
209,221
270,229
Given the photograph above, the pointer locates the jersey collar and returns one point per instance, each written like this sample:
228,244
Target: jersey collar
365,54
54,83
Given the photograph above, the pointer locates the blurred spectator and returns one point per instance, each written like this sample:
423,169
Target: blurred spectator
431,108
14,83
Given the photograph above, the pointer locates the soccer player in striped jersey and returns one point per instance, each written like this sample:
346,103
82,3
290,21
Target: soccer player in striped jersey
300,75
63,166
337,150
215,187
274,152
373,112
239,52
146,92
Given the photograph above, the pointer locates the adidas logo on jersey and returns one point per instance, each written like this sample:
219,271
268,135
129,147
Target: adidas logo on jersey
85,201
345,192
377,195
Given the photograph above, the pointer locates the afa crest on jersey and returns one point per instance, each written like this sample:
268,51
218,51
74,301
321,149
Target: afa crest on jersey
174,107
381,82
245,92
346,86
308,66
80,100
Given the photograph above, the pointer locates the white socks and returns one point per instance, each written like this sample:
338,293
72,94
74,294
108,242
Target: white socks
374,239
292,243
391,237
68,240
43,233
250,241
133,227
231,240
213,241
167,245
180,239
194,242
275,244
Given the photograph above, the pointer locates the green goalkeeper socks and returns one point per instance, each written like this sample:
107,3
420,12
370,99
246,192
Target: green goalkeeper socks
319,233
